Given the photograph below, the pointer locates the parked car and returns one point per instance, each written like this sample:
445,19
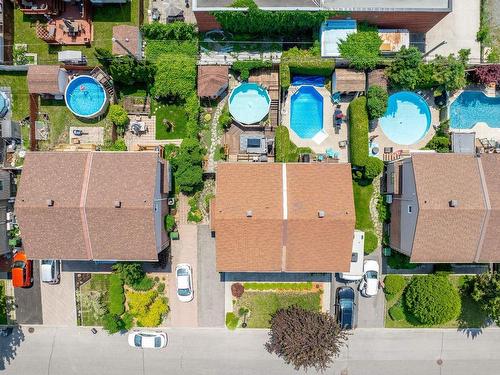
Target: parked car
356,269
184,279
147,340
22,271
370,283
50,271
345,307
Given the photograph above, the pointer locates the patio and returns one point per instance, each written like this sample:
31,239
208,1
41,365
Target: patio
89,135
137,141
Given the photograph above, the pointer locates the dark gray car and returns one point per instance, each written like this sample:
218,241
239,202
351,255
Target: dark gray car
345,307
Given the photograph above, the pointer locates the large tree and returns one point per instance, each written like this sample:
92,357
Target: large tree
403,71
305,338
485,289
362,49
188,166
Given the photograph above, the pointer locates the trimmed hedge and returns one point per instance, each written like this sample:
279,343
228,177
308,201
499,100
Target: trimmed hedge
394,284
371,241
278,286
286,150
232,321
116,296
373,167
245,67
358,132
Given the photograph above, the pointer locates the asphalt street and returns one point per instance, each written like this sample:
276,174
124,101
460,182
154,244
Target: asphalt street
65,351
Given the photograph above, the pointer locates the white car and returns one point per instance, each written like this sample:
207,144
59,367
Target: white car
147,340
184,280
356,269
50,271
370,283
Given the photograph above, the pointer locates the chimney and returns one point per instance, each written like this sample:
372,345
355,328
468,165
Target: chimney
321,214
50,202
249,213
118,204
453,203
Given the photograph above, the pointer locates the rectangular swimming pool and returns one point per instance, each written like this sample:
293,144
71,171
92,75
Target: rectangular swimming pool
472,107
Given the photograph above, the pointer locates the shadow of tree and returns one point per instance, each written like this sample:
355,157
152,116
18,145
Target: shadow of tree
472,318
9,345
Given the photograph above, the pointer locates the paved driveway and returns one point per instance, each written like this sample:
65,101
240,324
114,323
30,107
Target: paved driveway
58,301
29,301
210,286
185,250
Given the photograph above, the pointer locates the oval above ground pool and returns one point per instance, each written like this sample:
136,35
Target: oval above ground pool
407,119
85,97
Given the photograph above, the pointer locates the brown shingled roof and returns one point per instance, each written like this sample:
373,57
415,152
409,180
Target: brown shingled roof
43,79
83,222
127,40
283,237
211,79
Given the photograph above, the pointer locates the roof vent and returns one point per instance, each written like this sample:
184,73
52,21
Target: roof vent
126,39
249,213
50,202
453,203
118,204
321,213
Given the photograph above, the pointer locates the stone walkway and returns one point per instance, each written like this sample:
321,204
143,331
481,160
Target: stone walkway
215,136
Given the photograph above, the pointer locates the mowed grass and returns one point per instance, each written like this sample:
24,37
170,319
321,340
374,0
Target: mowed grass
362,196
98,282
19,87
173,113
263,304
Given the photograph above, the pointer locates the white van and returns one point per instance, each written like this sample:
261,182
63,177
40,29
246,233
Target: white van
358,246
50,271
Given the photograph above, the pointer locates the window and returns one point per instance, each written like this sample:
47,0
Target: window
1,185
409,209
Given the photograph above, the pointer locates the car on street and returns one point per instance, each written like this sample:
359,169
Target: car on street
356,269
50,271
184,278
345,307
370,283
22,271
147,340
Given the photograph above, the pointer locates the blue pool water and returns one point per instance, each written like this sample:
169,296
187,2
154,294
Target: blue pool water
472,107
249,103
307,112
85,97
407,118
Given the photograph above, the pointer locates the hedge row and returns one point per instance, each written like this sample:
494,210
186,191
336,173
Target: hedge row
286,150
244,67
358,132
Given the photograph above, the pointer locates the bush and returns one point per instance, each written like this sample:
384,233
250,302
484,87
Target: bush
432,299
187,166
170,31
161,287
374,166
156,48
118,145
232,320
396,313
438,143
362,49
400,261
112,323
175,76
130,273
245,67
144,285
139,302
118,116
371,241
384,210
128,321
153,316
485,290
169,223
116,296
237,290
394,284
225,119
376,102
286,150
358,134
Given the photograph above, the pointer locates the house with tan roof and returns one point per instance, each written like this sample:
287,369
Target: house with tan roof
213,80
90,205
291,217
445,207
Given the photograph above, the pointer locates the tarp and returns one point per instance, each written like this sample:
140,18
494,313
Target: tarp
318,81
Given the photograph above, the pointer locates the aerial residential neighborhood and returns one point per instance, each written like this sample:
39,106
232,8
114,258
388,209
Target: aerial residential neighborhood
249,186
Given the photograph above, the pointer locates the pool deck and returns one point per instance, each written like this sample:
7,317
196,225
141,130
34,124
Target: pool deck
332,140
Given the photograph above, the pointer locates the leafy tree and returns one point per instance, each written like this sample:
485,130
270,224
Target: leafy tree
118,116
443,73
403,71
130,273
245,67
118,145
394,284
376,102
432,299
175,76
487,74
305,338
373,167
485,289
112,323
187,166
169,223
439,143
362,49
104,56
122,69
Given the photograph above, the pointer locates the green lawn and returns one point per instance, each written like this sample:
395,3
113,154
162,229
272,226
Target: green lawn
3,303
17,82
470,315
362,196
173,113
98,282
262,304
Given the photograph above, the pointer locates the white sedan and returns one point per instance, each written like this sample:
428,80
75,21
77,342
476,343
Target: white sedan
147,340
370,283
184,280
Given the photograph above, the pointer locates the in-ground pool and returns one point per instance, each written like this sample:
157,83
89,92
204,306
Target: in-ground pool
306,117
472,107
407,118
249,103
85,97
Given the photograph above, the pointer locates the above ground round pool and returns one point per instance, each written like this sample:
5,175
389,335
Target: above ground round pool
249,103
472,107
306,112
407,119
85,97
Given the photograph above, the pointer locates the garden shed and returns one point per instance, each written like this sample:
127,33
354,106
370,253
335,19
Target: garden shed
213,80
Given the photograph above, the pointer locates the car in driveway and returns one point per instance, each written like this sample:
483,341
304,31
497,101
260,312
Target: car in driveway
184,279
147,340
50,271
345,307
370,283
22,271
356,269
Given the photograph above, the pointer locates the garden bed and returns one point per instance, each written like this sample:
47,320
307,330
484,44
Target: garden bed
98,283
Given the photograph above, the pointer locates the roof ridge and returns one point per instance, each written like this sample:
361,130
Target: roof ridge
83,204
487,204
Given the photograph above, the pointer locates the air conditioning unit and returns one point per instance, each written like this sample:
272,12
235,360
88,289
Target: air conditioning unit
171,201
388,198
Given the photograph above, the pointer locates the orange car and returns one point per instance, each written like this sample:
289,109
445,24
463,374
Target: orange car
22,271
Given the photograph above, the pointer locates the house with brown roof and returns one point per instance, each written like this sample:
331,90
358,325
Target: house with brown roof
47,80
213,80
127,41
445,207
290,217
83,205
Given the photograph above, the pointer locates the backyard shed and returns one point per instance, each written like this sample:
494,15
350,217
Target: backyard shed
463,143
348,80
212,80
127,40
47,79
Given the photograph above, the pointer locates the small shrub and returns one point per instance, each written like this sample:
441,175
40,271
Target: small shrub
112,323
396,313
374,166
116,297
91,302
371,241
232,320
156,279
245,67
130,273
394,284
118,116
358,134
376,102
139,302
432,299
128,321
144,285
237,290
243,311
384,211
153,316
161,287
400,261
169,223
225,119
